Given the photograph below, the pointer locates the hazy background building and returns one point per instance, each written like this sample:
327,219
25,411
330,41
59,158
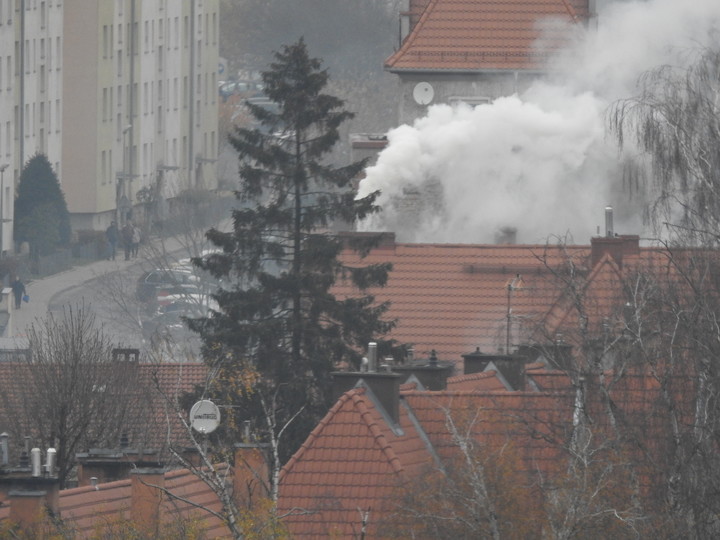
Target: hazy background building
121,96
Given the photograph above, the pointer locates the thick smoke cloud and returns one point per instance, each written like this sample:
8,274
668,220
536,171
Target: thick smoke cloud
541,162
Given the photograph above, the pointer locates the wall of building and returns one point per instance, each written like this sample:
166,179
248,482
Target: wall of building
448,88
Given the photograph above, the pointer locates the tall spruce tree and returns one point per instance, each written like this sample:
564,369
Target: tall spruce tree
278,317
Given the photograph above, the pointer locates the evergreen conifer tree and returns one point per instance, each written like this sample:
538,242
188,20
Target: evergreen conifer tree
41,214
278,319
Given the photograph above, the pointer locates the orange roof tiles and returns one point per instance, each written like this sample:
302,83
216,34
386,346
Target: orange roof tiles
454,298
352,460
472,35
89,509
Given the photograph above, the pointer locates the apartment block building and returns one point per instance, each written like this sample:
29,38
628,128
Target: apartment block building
121,95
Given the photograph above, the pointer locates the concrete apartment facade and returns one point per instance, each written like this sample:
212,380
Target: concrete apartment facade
120,95
140,105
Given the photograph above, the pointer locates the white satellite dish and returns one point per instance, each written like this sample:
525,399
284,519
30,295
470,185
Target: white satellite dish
423,93
205,416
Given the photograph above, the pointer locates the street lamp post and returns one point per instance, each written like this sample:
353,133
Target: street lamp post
2,207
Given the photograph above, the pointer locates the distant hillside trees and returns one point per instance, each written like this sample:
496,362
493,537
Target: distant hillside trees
41,215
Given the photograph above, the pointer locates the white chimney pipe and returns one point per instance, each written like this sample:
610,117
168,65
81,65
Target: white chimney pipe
36,462
50,461
4,449
372,357
609,222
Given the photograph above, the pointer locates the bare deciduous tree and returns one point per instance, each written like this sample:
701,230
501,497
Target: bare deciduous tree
70,393
675,122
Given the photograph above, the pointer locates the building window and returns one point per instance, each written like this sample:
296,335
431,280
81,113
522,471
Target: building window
103,166
145,98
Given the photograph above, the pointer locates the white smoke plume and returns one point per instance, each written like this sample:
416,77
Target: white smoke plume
541,162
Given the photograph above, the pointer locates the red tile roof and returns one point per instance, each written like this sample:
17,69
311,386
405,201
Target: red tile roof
351,461
87,510
454,298
473,35
147,423
354,460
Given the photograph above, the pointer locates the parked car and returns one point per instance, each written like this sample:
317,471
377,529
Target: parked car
162,282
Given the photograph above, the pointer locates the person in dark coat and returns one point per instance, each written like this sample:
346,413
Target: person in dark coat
112,235
127,237
18,289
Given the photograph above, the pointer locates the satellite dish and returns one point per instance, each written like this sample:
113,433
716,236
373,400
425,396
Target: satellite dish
423,93
204,416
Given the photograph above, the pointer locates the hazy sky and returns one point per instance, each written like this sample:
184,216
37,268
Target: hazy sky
541,162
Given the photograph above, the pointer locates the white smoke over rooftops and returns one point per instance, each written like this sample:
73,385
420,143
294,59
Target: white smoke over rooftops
541,162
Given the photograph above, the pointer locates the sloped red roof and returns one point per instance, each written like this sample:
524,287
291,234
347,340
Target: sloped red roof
87,510
456,298
354,461
453,298
351,461
473,35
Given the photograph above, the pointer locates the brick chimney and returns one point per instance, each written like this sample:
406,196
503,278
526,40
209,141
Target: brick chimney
384,385
617,247
145,499
108,465
31,491
126,355
432,373
251,475
509,367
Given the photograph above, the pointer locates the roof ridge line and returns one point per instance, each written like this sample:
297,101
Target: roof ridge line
411,36
571,11
315,433
377,433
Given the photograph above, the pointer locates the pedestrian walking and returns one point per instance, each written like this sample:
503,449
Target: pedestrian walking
18,289
112,235
127,237
135,241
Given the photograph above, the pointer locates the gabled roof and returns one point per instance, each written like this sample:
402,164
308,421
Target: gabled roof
476,35
354,460
351,461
